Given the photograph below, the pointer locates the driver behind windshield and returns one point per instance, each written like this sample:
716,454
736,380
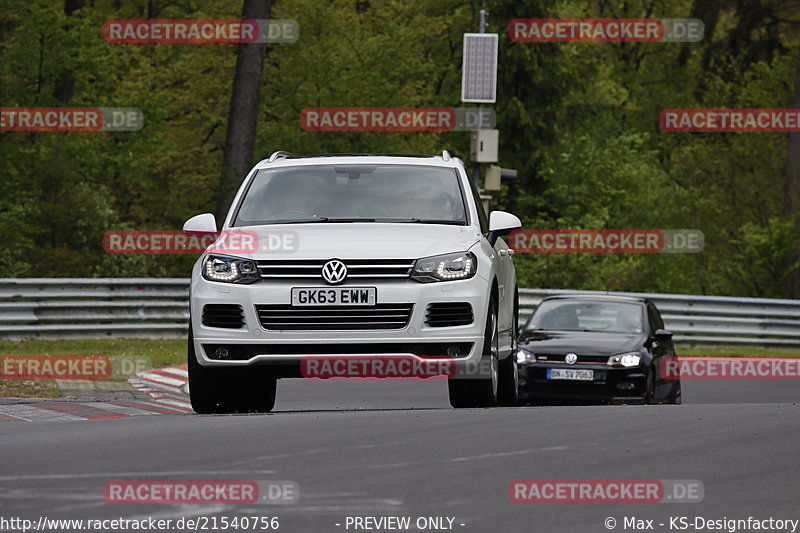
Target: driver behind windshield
292,197
562,318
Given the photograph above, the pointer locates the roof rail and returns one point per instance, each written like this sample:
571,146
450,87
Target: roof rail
280,154
445,155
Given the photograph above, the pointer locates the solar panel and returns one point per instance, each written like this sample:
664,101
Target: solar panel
479,68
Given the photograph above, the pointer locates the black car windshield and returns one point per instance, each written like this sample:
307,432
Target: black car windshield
353,193
596,316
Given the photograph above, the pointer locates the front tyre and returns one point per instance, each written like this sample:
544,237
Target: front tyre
214,390
509,371
649,396
675,395
474,391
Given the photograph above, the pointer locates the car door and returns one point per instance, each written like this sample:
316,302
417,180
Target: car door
506,279
660,350
504,268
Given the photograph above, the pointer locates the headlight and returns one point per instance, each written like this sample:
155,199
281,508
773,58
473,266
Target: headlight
230,269
627,360
448,267
524,356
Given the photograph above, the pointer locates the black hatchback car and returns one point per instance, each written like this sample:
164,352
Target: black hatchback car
579,348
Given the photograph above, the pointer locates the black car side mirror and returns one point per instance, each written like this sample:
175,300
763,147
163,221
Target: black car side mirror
662,335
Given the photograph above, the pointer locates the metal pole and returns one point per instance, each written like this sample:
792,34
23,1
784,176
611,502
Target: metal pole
481,29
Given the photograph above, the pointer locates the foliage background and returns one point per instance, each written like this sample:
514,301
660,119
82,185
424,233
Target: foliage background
579,121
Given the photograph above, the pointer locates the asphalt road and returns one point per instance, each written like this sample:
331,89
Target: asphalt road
394,447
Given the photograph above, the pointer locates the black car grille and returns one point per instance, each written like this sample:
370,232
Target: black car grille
223,316
358,270
582,359
345,317
441,315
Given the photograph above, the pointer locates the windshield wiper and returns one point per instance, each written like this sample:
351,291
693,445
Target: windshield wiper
344,219
428,221
318,219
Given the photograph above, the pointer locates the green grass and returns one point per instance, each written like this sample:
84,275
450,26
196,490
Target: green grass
160,352
738,351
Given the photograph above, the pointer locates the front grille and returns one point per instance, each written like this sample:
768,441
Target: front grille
243,352
360,270
582,359
379,316
223,316
442,315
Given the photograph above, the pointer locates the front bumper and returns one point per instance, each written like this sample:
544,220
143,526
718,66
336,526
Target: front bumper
614,384
253,344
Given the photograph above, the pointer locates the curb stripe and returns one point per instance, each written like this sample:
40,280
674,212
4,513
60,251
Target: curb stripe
158,378
32,413
152,407
76,409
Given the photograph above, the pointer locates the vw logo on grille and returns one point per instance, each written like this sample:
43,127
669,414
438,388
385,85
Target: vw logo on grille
334,271
571,359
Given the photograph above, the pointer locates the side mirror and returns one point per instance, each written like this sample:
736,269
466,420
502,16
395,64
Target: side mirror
662,335
500,224
201,223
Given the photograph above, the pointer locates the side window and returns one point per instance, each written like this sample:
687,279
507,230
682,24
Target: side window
654,318
482,219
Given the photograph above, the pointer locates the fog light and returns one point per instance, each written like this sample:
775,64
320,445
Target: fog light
221,352
625,385
453,351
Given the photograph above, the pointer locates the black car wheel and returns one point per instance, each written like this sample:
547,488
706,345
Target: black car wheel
650,388
675,395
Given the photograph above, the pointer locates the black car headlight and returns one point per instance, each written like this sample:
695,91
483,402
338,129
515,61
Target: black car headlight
524,356
627,360
447,267
226,269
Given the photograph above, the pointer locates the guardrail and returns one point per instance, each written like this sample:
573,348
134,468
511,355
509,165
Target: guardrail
159,308
93,308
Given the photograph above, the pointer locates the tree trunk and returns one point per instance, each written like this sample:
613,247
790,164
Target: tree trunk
791,287
243,111
65,86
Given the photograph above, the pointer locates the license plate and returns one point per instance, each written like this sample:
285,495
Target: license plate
570,373
365,296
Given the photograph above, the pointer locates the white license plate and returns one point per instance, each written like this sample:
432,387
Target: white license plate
302,296
570,373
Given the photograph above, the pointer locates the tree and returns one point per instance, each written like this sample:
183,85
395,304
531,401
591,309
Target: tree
243,111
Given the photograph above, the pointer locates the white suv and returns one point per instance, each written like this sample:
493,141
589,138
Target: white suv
372,255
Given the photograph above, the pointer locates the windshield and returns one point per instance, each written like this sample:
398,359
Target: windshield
353,193
610,317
